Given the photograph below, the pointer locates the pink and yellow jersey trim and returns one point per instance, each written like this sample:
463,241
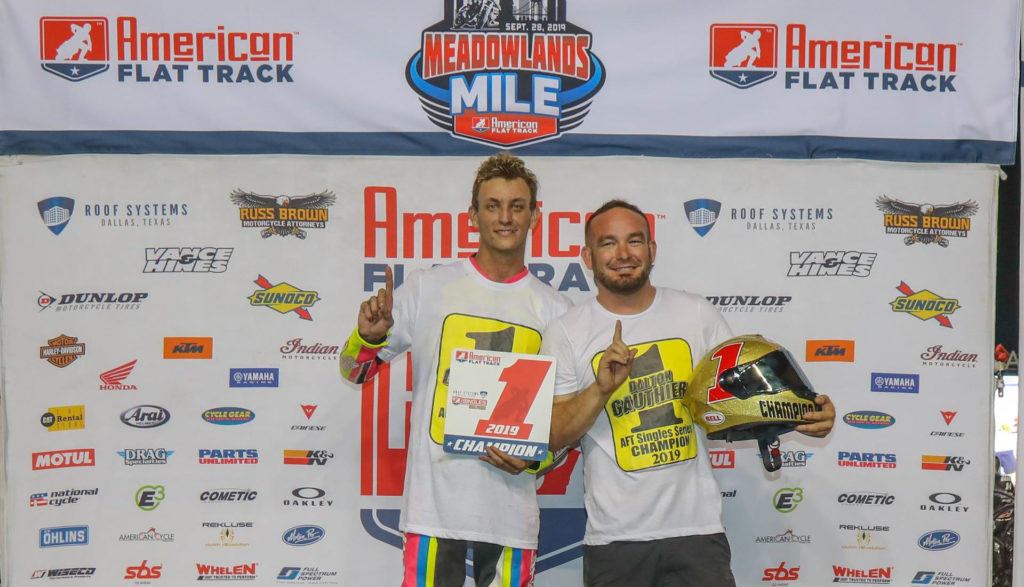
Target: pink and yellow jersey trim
358,360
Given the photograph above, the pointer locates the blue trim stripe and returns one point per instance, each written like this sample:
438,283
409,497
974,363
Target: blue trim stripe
517,568
422,559
440,143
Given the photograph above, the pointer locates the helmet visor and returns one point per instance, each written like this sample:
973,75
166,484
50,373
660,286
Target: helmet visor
772,373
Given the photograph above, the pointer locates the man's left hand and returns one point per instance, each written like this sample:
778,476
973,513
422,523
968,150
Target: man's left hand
820,420
504,461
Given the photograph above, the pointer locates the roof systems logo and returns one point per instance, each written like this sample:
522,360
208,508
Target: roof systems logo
73,48
702,214
743,55
62,350
926,223
283,215
112,379
56,212
284,298
924,305
830,350
830,263
507,74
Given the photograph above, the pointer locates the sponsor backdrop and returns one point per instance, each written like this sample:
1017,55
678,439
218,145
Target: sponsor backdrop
175,413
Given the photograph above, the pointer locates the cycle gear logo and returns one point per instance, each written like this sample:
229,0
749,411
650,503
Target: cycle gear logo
506,74
744,55
74,48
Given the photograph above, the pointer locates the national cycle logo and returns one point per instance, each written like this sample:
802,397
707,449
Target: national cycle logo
745,55
924,305
926,223
78,47
504,73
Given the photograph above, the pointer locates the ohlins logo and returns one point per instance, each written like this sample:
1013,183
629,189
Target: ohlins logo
505,73
744,55
284,298
924,305
926,223
76,48
283,215
830,263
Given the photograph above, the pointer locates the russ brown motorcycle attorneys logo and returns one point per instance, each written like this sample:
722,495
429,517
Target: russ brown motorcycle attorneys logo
505,73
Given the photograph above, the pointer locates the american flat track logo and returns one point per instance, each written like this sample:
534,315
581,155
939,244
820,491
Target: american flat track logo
508,73
74,48
743,55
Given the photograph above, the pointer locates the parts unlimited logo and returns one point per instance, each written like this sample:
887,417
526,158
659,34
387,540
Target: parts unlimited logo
505,73
78,47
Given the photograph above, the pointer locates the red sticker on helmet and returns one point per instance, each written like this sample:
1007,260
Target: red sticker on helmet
727,357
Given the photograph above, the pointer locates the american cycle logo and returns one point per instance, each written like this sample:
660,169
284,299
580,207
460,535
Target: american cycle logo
74,48
505,73
924,305
284,298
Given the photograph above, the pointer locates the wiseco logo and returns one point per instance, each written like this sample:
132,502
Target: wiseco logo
176,347
58,459
830,350
722,459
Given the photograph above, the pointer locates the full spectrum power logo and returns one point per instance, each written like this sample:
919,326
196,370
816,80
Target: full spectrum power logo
507,74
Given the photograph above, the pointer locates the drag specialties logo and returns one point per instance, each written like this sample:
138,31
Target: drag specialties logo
149,535
787,537
148,497
945,502
505,73
229,456
91,301
303,535
297,348
283,215
59,459
793,458
113,380
722,459
702,214
63,418
243,572
944,463
830,263
780,218
56,212
875,576
228,495
145,456
924,305
307,575
896,382
187,259
253,377
145,416
143,571
307,457
831,351
744,55
750,303
283,298
938,356
62,350
866,460
73,48
938,540
869,420
926,223
63,536
64,573
60,497
308,497
787,499
228,416
867,498
76,48
938,578
188,347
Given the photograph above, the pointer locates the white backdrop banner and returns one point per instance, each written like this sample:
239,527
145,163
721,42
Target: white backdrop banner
168,421
935,80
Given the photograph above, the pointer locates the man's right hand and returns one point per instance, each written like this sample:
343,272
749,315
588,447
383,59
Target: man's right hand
375,318
615,364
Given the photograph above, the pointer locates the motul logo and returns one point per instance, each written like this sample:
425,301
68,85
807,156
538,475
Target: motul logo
59,459
722,459
830,350
188,348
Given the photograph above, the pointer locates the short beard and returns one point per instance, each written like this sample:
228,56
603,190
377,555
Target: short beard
623,287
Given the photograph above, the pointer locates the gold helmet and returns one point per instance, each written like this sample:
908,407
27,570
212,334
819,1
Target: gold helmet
749,388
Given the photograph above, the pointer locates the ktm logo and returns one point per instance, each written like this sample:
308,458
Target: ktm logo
188,348
743,55
830,350
74,48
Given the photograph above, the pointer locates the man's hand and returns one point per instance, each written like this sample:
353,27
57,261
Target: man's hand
375,318
821,420
616,363
504,461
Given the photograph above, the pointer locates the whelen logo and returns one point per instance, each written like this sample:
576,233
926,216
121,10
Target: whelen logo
830,350
176,347
58,459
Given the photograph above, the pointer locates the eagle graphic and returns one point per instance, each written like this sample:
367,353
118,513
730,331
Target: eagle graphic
956,210
246,199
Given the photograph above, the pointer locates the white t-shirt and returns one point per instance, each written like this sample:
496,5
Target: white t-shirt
646,473
436,310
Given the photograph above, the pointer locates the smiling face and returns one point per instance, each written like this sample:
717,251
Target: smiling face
502,214
620,251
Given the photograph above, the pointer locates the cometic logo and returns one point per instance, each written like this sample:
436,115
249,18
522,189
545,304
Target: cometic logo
73,48
145,416
62,350
830,264
187,260
176,347
266,377
112,379
283,215
63,536
702,214
145,456
227,495
867,498
895,382
302,535
938,540
56,212
924,305
228,416
869,420
926,223
830,350
58,459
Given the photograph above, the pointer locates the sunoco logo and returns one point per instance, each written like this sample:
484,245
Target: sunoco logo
506,73
926,223
283,215
924,305
283,298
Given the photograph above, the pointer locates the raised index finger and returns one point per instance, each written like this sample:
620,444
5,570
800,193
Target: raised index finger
389,285
617,337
